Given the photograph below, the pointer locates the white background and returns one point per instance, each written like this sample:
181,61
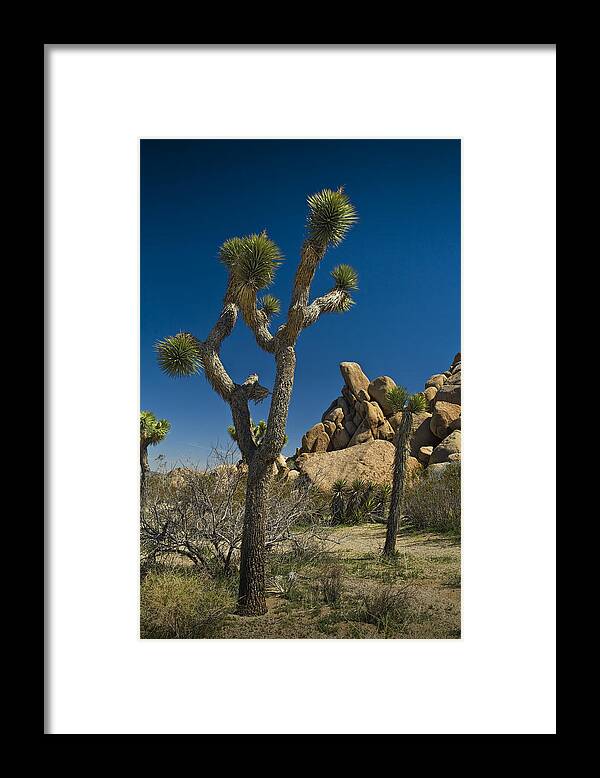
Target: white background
499,677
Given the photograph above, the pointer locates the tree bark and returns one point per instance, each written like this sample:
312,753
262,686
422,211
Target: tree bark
251,596
144,467
398,485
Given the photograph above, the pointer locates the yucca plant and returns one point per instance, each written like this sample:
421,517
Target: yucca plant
407,404
339,490
369,501
354,509
152,432
251,263
383,495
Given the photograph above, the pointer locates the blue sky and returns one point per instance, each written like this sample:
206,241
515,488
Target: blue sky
406,248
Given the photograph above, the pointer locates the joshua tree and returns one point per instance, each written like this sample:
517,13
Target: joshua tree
401,402
152,431
251,262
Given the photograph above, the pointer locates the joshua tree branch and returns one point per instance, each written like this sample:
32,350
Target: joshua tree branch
257,321
214,370
335,301
310,257
274,438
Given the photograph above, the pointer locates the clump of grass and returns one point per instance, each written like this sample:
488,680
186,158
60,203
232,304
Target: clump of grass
434,502
182,604
388,608
332,586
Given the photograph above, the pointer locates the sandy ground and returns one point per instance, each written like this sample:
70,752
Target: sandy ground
427,571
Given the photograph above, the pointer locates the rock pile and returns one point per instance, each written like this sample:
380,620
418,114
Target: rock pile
360,418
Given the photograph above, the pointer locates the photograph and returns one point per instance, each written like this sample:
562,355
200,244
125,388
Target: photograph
300,389
263,266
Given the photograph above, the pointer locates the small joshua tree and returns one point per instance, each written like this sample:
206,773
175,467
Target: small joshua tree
258,432
401,402
152,431
251,262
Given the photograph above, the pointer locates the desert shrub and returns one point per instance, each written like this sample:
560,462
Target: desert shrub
386,607
198,515
332,586
182,604
434,501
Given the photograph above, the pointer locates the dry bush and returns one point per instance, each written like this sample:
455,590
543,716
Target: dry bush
332,586
388,607
180,603
433,503
198,515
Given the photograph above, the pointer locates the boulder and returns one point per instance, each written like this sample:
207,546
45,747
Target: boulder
455,425
414,469
425,453
349,397
362,396
421,434
443,415
372,461
456,359
386,431
336,416
371,413
454,379
330,427
449,393
430,393
316,439
450,445
454,457
438,470
378,390
342,403
354,378
350,427
340,439
436,381
395,420
333,405
363,434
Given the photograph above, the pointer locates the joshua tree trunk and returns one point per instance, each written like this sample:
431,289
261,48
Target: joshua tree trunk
397,498
251,597
145,467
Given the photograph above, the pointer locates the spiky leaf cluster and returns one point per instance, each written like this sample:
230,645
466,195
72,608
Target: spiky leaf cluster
339,486
153,430
252,260
270,305
179,355
397,397
399,400
330,216
345,277
258,432
417,403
